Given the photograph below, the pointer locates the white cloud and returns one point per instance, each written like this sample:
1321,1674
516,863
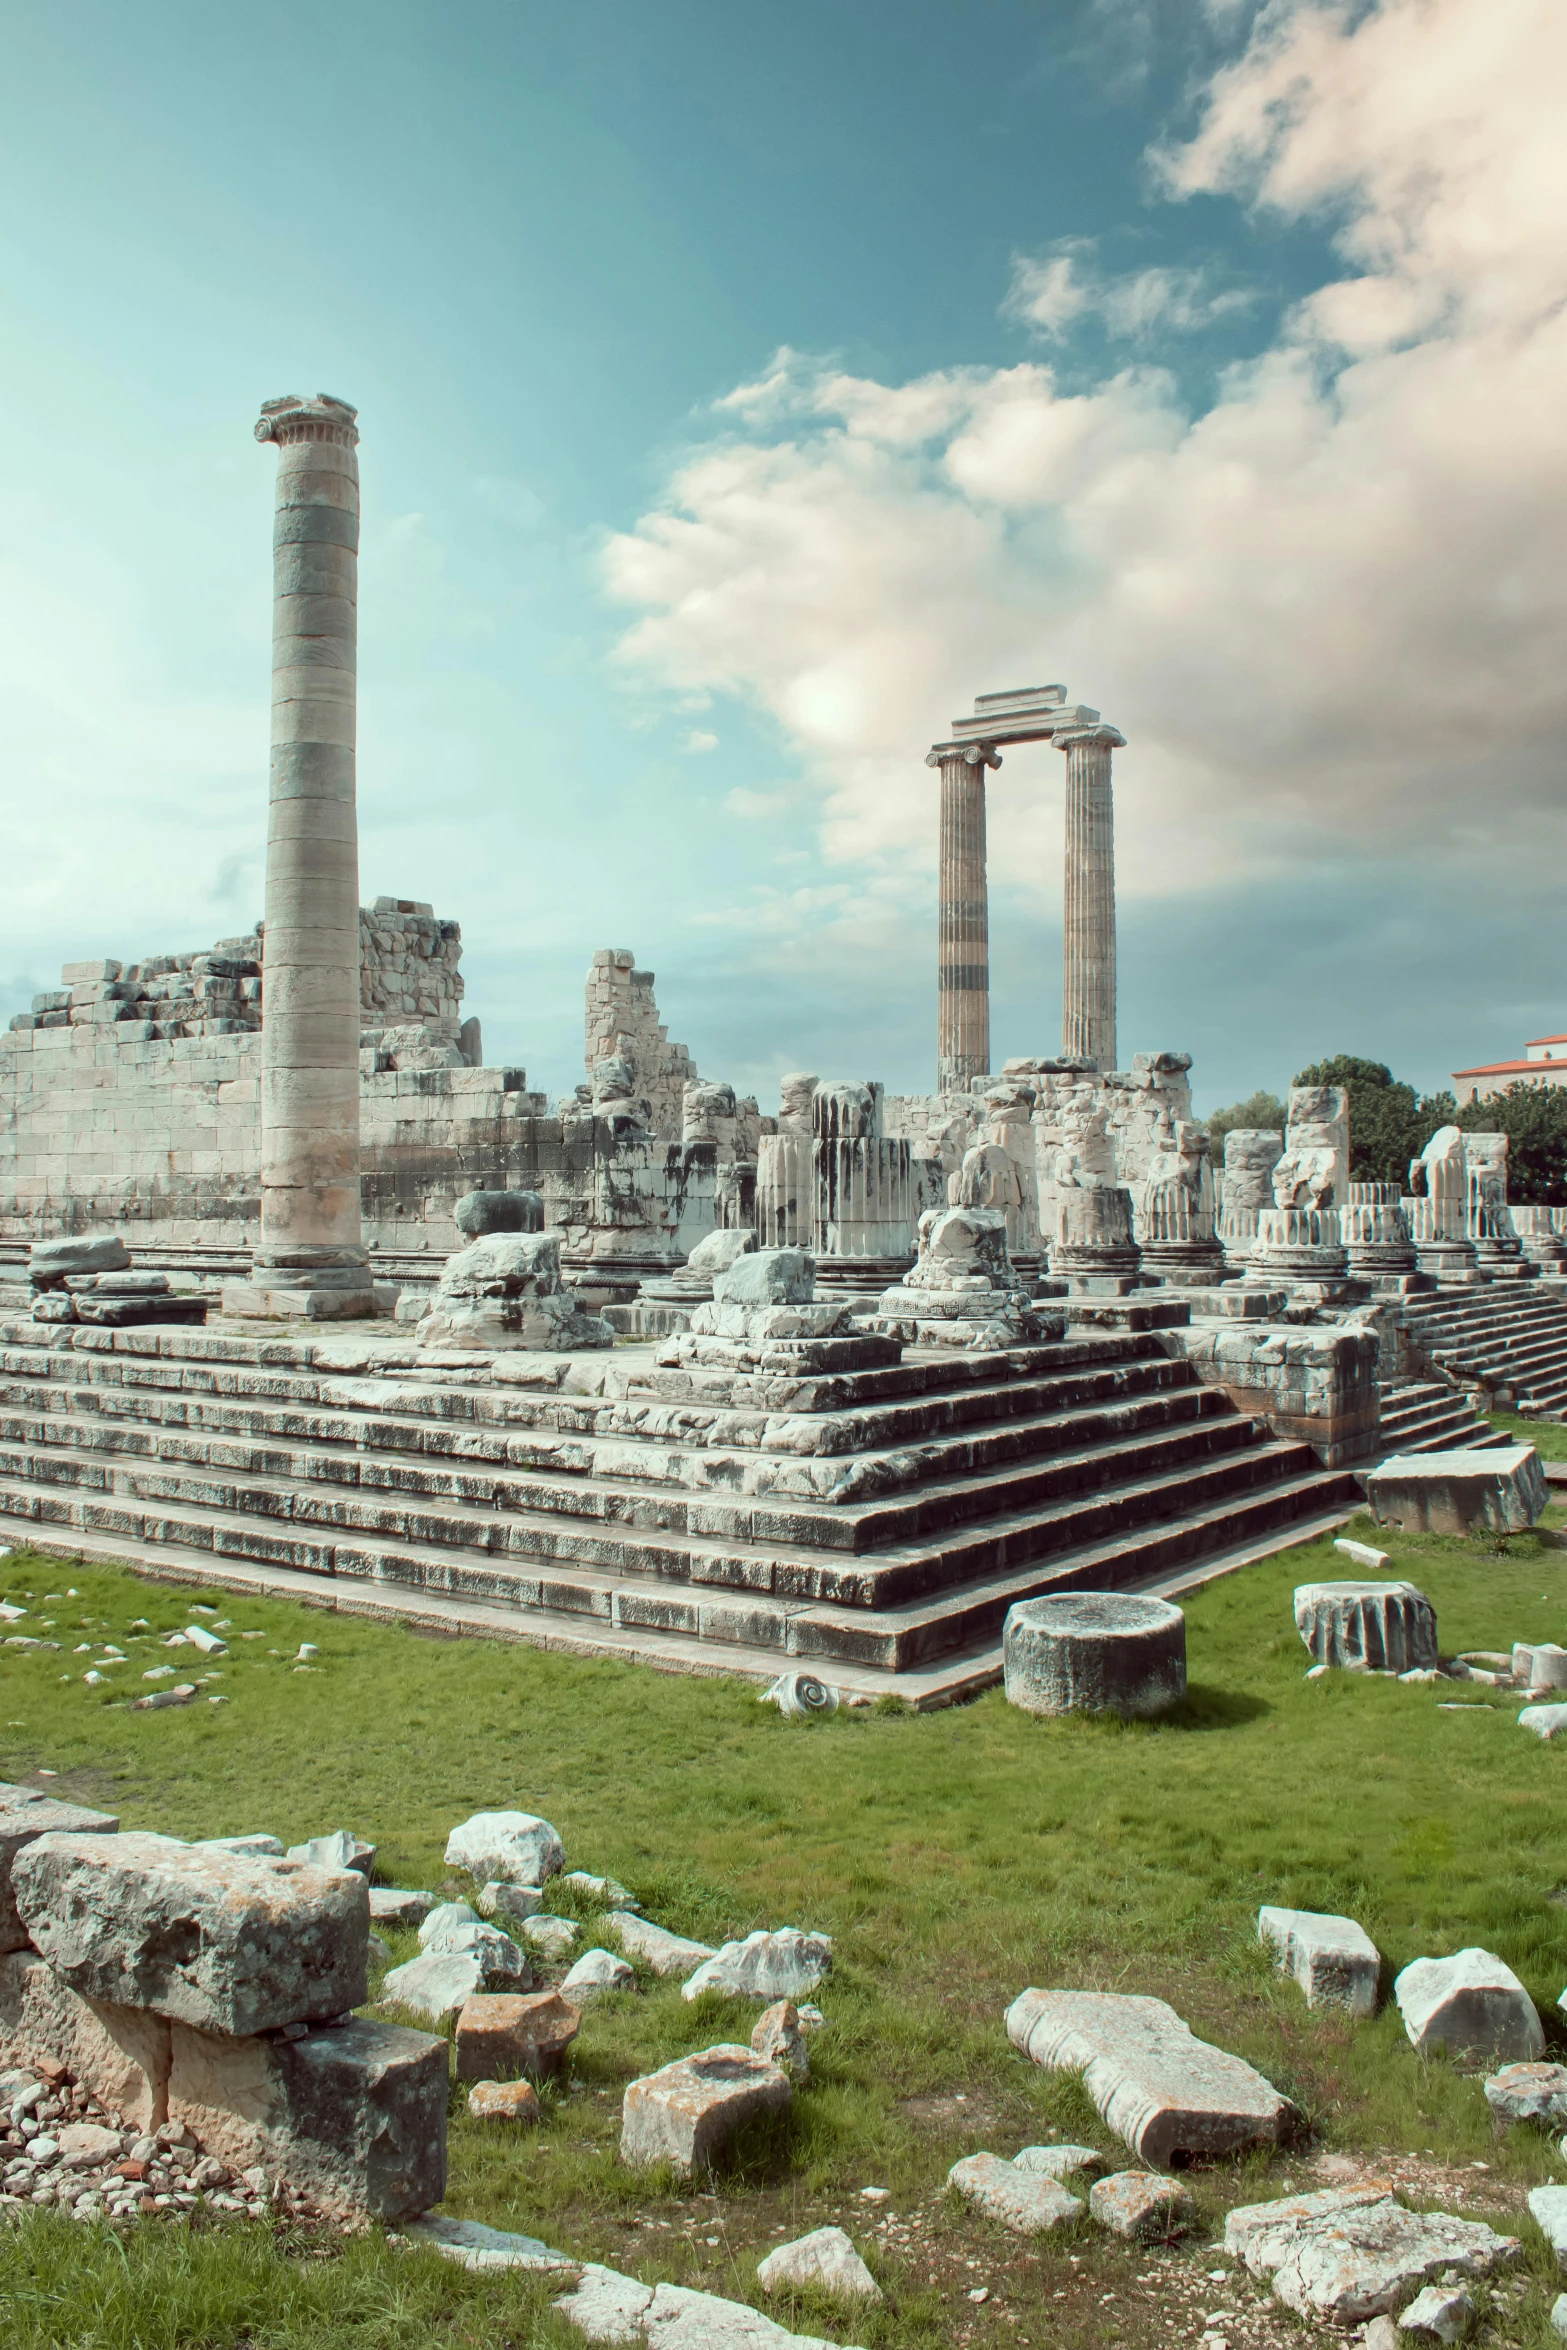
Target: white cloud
1053,292
698,741
1327,611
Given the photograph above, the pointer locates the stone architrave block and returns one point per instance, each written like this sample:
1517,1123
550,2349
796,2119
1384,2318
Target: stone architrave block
1457,1492
26,1813
825,2261
1334,1961
1140,2205
1094,1652
1529,2093
1367,1627
1473,2006
1351,2253
687,2112
780,1965
1161,2089
222,1940
49,1261
506,1847
500,2034
1024,2201
664,1953
353,2115
121,2055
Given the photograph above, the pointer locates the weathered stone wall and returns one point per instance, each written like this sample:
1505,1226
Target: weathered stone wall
623,1024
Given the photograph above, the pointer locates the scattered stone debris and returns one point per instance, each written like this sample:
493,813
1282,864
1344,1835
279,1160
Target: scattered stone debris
1443,2310
499,2035
603,1889
1352,2253
1024,2201
1334,1961
516,1903
688,2111
393,1905
595,1972
825,2259
1060,2162
764,1966
780,2037
609,2307
664,1954
1529,2093
1471,2004
1548,2209
473,2245
553,1938
515,1847
503,2101
1141,2205
341,1850
1159,2087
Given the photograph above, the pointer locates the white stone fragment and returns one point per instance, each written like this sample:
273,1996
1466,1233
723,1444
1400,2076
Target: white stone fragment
261,1846
1443,2310
551,1937
1362,1553
1367,1627
1334,1961
1545,1721
1548,2209
1141,2206
606,2306
515,1902
1060,2162
596,1971
1529,2092
442,1919
680,2318
687,2112
664,1953
1502,1488
1471,2004
1156,2085
766,1966
473,2245
515,1847
825,2260
1025,2202
1558,2317
1351,2253
801,1695
597,1888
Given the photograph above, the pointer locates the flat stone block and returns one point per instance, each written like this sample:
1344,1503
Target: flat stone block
1352,2253
663,1953
1473,2006
1060,2162
1161,2089
1141,2206
353,2115
1529,2093
501,2034
120,2054
1458,1492
825,2261
26,1813
1024,2201
688,2112
1367,1627
782,1965
1548,2209
1094,1652
472,2245
226,1941
504,2101
1334,1961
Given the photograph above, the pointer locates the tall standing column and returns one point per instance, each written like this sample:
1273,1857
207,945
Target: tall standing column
963,948
1088,987
310,1260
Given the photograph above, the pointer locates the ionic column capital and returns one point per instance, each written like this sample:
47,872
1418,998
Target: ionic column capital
292,419
971,754
1072,737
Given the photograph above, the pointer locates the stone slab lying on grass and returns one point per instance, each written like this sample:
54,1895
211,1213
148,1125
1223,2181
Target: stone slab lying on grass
597,1971
609,2307
506,1964
1334,1961
1471,2004
1546,1721
26,1813
1161,2089
1444,2311
599,1888
1529,2093
1548,2209
825,2260
516,1847
120,2055
779,2036
663,1953
1457,1492
1142,2206
221,1940
767,1966
353,2115
1021,2200
501,2035
1060,2162
396,1905
514,1903
504,2101
438,1985
473,2245
1350,2253
687,2112
1367,1627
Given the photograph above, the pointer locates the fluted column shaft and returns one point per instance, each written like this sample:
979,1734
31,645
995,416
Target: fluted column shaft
963,946
310,1207
1088,983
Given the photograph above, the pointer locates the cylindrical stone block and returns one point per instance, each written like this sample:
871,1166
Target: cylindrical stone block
1367,1627
1094,1652
1088,986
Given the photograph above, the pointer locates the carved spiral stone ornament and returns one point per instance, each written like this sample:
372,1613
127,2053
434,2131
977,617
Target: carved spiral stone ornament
801,1694
1094,1652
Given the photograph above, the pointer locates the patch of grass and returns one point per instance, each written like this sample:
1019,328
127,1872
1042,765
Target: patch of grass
1548,1437
955,1857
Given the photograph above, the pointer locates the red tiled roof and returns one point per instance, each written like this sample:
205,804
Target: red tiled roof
1533,1040
1508,1068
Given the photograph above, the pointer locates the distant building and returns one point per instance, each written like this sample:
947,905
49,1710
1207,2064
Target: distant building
1544,1063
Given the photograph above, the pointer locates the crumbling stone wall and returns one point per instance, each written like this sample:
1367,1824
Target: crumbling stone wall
623,1024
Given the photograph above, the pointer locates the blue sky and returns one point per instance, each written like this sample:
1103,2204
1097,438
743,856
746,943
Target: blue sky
1203,358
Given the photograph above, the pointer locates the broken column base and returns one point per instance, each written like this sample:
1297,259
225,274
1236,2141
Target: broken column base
304,1285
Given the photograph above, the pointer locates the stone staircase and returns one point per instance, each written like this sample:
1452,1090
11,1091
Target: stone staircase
863,1510
1508,1337
1426,1415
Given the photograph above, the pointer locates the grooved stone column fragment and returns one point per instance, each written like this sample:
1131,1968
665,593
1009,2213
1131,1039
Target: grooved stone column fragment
963,951
310,1260
1088,991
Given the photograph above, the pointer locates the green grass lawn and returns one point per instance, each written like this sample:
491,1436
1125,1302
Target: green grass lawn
955,1857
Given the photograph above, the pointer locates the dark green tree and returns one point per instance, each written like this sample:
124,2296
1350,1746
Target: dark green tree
1259,1109
1534,1118
1389,1123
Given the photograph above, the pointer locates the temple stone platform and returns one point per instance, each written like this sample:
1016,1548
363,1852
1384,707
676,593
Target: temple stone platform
871,1509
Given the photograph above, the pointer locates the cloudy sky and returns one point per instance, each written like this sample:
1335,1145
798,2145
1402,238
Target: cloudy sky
742,390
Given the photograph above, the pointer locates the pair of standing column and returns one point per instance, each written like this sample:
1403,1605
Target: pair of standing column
963,952
310,1261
